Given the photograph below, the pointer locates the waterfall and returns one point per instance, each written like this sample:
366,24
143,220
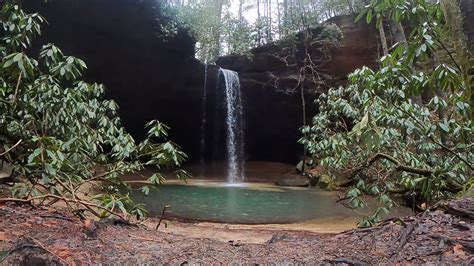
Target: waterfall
234,126
203,121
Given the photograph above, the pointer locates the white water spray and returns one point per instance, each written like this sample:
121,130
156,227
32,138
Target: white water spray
235,128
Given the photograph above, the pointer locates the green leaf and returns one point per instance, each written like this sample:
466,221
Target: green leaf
35,154
361,15
17,57
369,16
352,193
4,254
385,199
444,127
156,179
145,190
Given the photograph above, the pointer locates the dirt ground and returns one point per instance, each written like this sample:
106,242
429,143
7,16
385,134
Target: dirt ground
44,236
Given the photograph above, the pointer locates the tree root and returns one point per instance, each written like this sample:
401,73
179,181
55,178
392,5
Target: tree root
13,250
457,210
145,238
57,217
35,244
469,245
395,219
404,238
162,216
346,261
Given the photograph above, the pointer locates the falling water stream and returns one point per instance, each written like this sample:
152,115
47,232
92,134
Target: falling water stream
203,121
234,126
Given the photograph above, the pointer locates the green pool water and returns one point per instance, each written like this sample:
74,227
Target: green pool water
245,205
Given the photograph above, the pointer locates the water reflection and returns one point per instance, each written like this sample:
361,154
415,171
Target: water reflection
245,204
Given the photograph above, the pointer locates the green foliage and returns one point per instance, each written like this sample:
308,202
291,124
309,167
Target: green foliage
387,135
62,136
219,31
216,32
238,34
204,24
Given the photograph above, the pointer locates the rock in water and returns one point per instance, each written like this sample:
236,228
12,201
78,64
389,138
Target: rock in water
293,181
277,238
326,182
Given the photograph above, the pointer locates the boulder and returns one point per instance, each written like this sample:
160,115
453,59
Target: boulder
317,170
326,182
6,171
299,167
293,180
328,179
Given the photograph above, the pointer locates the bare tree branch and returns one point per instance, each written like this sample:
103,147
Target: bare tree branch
11,148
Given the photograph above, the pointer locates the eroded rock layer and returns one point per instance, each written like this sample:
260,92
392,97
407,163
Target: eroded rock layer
152,77
271,84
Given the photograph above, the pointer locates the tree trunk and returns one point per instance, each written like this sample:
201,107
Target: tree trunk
460,18
241,4
270,37
280,30
285,16
467,10
306,61
398,33
383,39
259,30
216,48
351,6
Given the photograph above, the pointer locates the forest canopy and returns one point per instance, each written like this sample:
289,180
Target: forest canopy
235,26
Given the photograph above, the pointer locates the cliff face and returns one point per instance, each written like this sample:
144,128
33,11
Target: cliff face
152,77
271,84
467,7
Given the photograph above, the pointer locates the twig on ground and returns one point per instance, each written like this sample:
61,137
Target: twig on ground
37,242
339,198
395,219
404,238
162,216
13,250
57,217
214,258
346,261
144,238
359,230
469,245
